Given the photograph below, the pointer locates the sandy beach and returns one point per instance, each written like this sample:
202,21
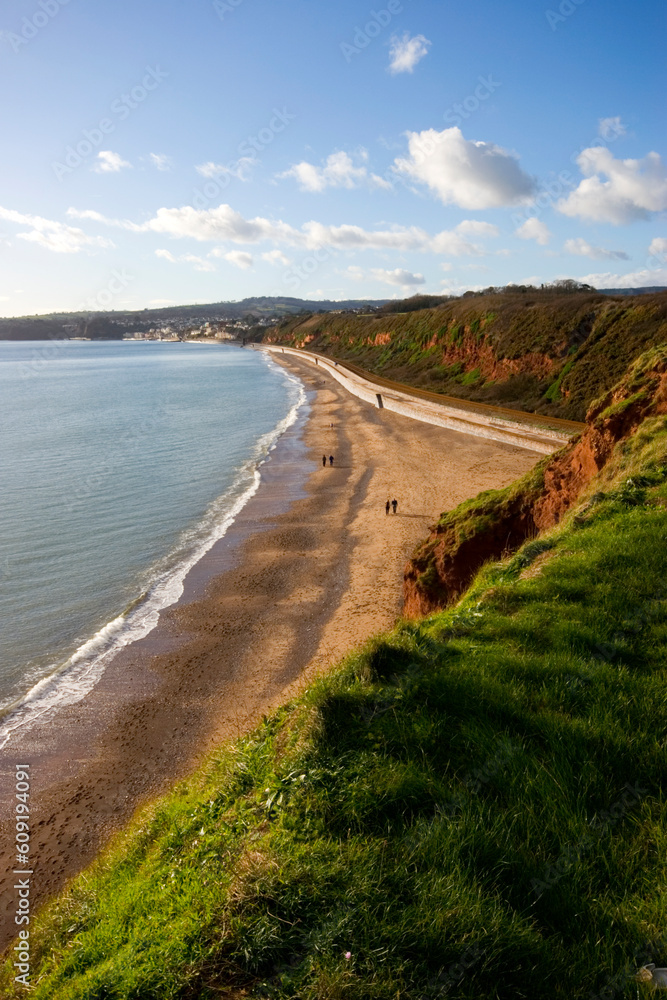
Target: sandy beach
312,567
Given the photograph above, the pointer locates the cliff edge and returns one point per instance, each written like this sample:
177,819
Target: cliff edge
498,522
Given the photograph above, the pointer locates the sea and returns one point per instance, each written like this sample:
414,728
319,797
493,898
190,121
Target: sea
121,464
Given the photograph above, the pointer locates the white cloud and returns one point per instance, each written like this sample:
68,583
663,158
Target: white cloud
376,181
225,224
354,272
476,228
338,171
109,163
646,277
210,169
469,174
276,257
51,235
534,229
611,128
199,263
658,246
582,248
458,287
452,244
90,213
160,161
633,189
239,169
406,52
239,259
398,277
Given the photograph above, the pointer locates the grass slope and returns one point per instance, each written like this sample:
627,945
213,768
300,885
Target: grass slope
538,351
471,806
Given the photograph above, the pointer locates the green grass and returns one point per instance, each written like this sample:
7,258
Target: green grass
472,805
553,393
585,340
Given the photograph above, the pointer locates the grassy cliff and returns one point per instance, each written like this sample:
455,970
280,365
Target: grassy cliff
472,806
538,351
498,521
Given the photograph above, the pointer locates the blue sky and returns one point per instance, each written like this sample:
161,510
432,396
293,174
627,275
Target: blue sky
203,150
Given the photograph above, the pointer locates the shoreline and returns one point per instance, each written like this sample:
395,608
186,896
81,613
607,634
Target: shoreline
76,675
310,568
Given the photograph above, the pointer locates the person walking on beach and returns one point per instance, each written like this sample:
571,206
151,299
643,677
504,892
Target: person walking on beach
324,459
394,504
330,459
387,506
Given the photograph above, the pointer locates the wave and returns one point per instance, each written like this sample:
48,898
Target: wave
70,682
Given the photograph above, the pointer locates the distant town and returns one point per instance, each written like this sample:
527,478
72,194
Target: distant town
218,321
208,330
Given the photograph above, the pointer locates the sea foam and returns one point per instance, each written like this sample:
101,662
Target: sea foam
70,682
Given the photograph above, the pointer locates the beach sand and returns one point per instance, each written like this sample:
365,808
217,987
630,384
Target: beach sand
312,567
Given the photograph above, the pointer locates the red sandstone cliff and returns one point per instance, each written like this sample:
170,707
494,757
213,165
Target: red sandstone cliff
498,522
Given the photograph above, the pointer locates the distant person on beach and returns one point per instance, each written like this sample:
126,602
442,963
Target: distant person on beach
330,459
387,506
324,459
394,504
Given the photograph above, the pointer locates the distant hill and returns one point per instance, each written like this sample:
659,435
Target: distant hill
549,351
114,325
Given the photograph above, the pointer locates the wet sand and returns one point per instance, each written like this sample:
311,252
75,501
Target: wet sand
310,569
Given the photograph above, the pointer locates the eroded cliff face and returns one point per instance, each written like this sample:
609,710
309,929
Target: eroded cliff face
497,523
538,352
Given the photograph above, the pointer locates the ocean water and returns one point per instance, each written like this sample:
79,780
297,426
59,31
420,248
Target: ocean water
121,463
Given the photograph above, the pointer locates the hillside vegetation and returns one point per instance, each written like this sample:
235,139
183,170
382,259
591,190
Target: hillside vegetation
535,350
498,521
90,320
472,806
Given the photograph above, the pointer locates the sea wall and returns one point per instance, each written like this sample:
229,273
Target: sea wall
518,430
